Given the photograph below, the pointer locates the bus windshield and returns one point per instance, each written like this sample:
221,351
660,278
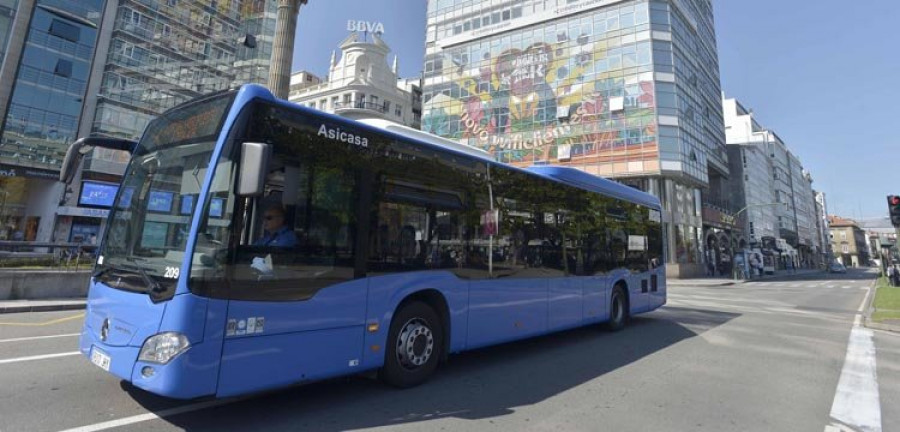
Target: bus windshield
149,223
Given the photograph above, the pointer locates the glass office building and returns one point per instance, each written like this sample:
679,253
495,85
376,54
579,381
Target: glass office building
48,47
622,89
164,53
7,12
157,54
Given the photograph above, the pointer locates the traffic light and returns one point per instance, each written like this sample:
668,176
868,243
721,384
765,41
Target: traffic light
894,209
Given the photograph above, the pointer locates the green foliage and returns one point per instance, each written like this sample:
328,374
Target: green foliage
39,262
887,302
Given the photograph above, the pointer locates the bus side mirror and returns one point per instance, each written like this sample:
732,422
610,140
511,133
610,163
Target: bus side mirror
74,154
254,161
83,146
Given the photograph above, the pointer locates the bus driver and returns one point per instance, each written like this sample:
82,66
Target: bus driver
276,232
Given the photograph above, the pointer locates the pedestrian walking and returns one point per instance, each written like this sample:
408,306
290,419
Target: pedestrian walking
894,275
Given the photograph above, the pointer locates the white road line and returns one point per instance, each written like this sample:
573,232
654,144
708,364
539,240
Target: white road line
856,401
151,416
38,357
23,339
865,299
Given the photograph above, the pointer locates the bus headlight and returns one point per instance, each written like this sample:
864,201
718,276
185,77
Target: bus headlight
163,347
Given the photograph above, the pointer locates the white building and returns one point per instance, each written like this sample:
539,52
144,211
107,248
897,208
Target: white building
303,79
779,179
361,84
752,176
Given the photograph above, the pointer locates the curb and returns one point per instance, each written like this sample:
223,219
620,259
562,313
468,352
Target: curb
41,308
867,317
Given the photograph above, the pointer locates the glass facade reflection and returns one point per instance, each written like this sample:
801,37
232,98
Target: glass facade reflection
164,53
7,13
42,114
628,89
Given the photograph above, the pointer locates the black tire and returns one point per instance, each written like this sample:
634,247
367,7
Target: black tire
414,346
618,309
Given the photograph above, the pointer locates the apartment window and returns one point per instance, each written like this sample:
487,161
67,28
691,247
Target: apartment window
65,30
398,110
387,106
63,68
334,102
845,248
843,236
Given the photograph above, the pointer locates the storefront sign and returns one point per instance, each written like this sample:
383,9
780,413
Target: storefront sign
82,211
19,171
374,27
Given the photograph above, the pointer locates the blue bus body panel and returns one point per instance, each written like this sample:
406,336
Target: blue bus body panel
595,305
299,340
566,303
132,319
190,375
502,310
263,362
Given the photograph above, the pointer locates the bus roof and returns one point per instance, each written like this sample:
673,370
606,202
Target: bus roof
594,183
566,175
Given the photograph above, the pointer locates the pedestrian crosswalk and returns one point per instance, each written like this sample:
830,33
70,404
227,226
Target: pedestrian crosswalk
809,284
769,297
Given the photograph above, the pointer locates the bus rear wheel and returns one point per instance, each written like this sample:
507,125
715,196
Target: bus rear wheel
618,309
415,342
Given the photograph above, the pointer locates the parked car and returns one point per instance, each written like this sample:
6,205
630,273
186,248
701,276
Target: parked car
837,268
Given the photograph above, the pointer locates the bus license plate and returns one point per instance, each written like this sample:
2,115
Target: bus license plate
100,359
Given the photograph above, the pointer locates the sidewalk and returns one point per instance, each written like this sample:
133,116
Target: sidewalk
16,306
713,282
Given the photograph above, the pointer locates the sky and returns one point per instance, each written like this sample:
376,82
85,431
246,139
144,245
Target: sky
819,74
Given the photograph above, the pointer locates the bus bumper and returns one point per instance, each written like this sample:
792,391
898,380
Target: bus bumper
188,376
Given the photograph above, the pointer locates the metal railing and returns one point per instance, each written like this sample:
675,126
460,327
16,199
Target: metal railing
62,256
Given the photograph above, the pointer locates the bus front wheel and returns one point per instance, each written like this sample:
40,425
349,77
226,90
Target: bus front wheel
415,341
618,309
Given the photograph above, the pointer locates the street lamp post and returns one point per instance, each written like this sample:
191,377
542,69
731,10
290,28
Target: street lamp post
731,233
283,47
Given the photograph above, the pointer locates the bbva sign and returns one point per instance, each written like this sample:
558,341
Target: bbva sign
365,26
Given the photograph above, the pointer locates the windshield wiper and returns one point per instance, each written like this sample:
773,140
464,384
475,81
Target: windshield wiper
153,284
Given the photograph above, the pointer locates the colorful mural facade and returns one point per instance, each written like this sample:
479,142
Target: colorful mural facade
576,92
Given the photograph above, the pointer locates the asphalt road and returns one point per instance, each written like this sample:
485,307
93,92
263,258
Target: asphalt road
764,356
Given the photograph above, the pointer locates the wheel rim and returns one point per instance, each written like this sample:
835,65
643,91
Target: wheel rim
415,344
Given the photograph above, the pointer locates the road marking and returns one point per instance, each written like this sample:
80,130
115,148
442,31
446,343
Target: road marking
151,416
856,400
865,299
38,357
46,323
23,339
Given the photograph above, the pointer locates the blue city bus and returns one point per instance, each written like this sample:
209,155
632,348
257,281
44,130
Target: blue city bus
254,244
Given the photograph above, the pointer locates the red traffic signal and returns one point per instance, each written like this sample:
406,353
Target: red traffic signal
894,209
